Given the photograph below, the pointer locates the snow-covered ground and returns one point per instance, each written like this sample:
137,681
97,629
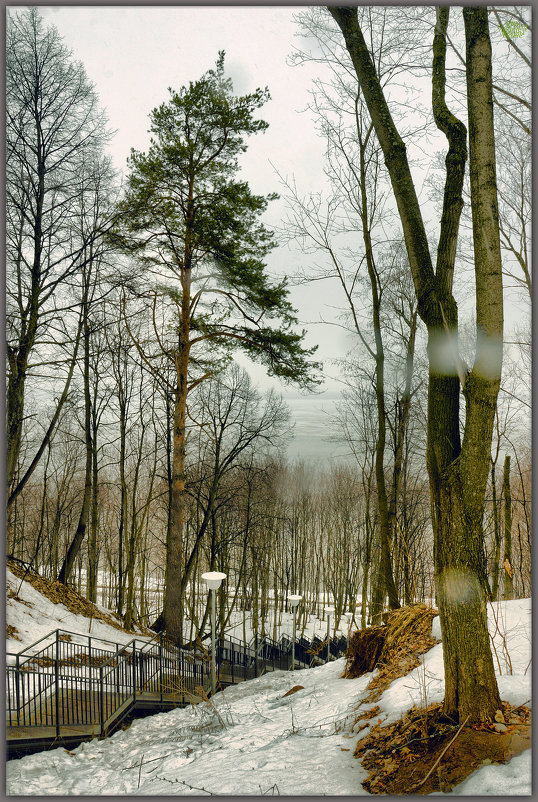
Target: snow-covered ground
34,616
252,740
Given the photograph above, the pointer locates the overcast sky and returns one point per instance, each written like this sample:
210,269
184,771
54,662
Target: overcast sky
133,54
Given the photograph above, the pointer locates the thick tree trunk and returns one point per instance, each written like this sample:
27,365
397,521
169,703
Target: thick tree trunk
175,545
457,475
470,684
173,601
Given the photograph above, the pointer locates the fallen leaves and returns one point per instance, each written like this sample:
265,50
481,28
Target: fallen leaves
420,753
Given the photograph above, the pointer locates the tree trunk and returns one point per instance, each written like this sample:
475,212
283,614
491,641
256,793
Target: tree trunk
496,534
507,562
175,546
18,356
93,551
458,474
122,391
78,538
470,684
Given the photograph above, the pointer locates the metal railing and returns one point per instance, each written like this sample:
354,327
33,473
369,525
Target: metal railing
65,683
74,679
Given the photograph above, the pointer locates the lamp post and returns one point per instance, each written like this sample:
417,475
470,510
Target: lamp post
329,611
213,581
294,602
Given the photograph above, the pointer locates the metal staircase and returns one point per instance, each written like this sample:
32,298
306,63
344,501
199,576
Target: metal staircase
66,687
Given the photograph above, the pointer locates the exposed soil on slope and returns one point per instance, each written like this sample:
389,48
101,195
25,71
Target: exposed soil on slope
59,593
394,648
425,751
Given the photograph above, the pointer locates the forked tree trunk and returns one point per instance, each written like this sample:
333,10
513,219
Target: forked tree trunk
470,684
458,473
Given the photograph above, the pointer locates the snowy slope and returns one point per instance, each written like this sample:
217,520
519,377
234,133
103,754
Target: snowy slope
34,615
252,740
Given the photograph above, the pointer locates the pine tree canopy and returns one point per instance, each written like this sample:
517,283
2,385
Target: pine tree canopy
191,221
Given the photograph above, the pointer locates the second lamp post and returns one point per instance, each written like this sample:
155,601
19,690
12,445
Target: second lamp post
293,602
213,581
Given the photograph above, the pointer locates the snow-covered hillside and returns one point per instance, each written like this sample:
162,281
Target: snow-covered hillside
30,616
253,739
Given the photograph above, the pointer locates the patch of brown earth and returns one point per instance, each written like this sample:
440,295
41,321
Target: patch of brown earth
59,593
12,632
394,648
426,751
293,690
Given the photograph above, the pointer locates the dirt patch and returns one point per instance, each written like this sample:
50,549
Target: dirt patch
394,648
293,690
364,651
426,751
12,632
59,593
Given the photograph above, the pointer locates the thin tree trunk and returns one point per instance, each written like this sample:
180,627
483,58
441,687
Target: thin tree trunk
93,551
123,496
507,562
496,535
78,538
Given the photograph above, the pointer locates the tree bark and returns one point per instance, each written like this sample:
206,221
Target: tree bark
93,549
457,472
175,546
496,535
78,538
507,562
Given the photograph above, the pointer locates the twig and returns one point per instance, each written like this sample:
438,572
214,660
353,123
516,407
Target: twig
140,771
523,705
273,788
182,782
440,756
145,763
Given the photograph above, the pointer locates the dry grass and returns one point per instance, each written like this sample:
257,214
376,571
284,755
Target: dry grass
58,593
394,648
12,632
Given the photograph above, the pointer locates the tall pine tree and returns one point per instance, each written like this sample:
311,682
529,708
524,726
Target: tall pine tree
189,219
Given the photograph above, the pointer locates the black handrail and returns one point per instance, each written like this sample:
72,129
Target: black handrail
84,669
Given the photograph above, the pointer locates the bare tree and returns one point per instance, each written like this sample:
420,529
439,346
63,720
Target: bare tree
458,471
53,127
